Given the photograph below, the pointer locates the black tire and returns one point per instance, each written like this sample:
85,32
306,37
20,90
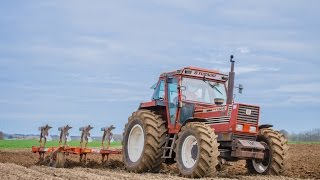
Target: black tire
154,129
275,160
205,151
57,159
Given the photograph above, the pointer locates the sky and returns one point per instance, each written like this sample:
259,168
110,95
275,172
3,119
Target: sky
92,62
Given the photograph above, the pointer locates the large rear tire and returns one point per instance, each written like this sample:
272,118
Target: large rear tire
275,160
197,151
144,139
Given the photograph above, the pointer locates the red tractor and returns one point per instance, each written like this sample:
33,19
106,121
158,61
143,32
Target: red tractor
193,120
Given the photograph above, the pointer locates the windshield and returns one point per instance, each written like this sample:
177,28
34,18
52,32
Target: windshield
202,90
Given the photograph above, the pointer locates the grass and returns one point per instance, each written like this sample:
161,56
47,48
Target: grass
302,142
17,144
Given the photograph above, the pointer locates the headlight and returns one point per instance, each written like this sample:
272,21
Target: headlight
253,129
239,127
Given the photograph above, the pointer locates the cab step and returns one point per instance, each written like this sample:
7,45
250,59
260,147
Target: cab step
169,146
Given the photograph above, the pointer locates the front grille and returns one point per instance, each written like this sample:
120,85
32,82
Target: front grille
217,120
244,136
221,119
248,118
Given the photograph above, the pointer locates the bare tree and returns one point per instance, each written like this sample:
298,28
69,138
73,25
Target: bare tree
117,137
311,136
285,133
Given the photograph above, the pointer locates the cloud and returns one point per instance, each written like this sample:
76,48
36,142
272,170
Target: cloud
117,98
42,116
304,99
209,61
299,87
243,50
250,69
192,6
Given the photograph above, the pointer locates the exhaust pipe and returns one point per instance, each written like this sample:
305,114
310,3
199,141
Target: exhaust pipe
231,82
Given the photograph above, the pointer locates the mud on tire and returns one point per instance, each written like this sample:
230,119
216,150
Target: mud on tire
204,151
276,162
154,133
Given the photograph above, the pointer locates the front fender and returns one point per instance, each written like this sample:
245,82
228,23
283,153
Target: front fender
264,126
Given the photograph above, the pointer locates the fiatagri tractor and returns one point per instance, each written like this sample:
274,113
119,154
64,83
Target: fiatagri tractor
192,120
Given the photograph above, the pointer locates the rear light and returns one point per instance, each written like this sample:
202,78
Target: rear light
253,129
239,127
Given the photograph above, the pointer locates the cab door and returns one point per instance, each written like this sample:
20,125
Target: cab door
172,100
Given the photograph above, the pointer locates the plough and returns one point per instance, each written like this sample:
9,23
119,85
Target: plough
57,155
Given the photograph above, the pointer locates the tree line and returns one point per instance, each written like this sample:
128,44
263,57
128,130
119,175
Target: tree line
308,136
1,135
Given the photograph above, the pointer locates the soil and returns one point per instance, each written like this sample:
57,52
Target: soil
304,163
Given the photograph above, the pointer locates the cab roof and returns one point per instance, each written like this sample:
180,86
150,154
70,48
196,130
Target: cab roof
198,73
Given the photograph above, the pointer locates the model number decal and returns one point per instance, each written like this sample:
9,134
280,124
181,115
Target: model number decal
203,74
215,109
199,73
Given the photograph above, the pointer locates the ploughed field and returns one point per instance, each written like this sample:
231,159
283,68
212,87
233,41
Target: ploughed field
304,162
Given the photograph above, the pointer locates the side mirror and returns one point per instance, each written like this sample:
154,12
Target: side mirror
240,88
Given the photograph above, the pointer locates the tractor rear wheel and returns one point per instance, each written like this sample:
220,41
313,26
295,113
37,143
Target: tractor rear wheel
143,140
197,150
274,162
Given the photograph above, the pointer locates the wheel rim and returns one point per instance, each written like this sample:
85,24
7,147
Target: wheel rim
259,166
262,165
189,152
135,143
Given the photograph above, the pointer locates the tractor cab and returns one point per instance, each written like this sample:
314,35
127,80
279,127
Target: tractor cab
183,92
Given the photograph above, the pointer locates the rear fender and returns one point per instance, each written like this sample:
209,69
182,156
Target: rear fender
156,106
153,103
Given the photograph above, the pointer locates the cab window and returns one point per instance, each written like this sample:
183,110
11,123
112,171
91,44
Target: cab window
159,91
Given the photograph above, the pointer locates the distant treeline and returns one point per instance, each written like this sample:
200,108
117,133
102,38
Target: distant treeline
116,137
1,135
309,136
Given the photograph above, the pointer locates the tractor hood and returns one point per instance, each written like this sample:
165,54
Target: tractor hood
243,116
213,113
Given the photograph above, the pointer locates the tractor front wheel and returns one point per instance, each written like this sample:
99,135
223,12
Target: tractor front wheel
143,140
276,148
197,151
